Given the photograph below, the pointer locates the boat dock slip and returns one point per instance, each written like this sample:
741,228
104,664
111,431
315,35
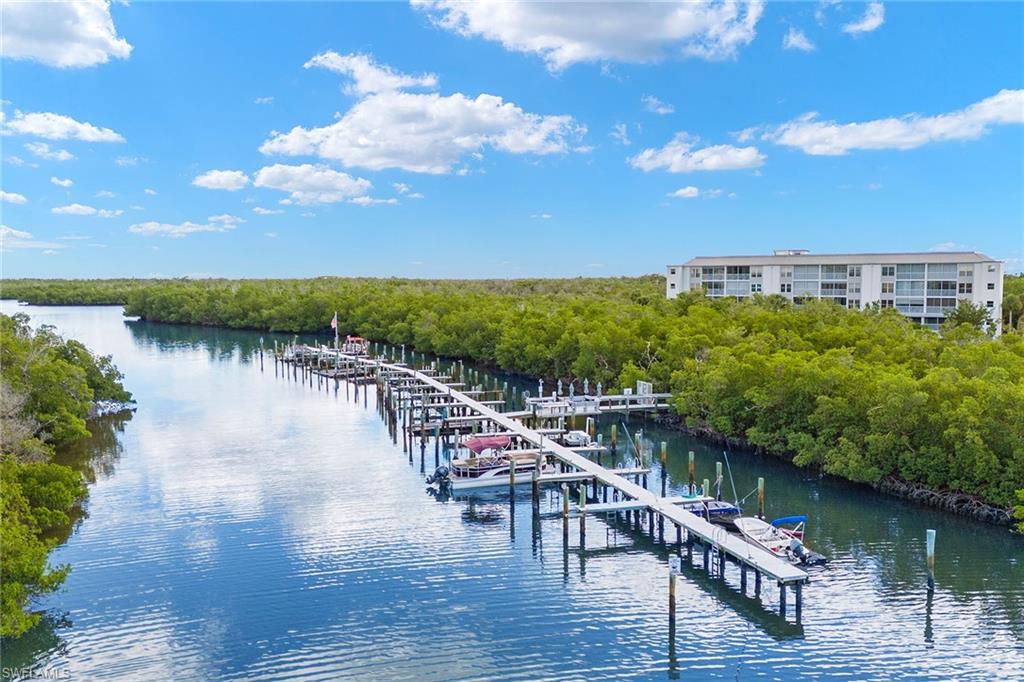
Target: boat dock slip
399,399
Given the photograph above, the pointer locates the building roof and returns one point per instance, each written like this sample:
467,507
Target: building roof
845,258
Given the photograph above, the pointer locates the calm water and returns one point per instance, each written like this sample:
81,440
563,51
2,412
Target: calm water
243,525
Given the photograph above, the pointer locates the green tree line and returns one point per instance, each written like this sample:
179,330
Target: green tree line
48,386
865,395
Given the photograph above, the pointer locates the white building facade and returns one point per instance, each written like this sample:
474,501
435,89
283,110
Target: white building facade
922,286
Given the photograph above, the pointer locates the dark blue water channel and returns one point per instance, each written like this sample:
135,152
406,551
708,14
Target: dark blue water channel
243,525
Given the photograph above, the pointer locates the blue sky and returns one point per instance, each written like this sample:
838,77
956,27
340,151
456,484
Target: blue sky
827,126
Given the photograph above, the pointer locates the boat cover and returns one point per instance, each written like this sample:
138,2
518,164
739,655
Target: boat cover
480,443
789,519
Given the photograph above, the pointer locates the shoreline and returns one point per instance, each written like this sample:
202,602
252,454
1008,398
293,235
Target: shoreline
949,501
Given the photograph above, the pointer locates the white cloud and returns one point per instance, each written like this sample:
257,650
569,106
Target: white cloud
542,216
564,34
874,16
43,151
74,209
829,138
795,39
406,190
259,210
50,126
15,160
371,201
689,192
270,235
679,156
656,106
220,223
620,133
225,219
424,132
263,100
12,197
61,34
150,192
75,237
950,247
105,194
10,232
309,184
229,180
367,76
128,161
81,209
17,239
66,182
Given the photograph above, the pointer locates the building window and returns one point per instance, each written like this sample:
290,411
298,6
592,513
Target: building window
805,272
910,271
967,273
888,271
786,272
941,270
991,268
909,288
888,287
854,288
695,273
854,271
756,272
991,286
853,304
672,271
671,285
755,287
833,272
990,304
786,288
886,304
966,288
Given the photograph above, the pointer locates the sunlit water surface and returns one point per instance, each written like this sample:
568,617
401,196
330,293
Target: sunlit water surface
243,525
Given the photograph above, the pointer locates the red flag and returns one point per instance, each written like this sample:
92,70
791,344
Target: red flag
334,321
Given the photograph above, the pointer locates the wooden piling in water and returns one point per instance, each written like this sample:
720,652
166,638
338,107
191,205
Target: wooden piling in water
692,466
760,498
930,552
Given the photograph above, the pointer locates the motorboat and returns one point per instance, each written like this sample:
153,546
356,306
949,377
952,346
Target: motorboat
490,464
781,543
355,345
576,439
718,512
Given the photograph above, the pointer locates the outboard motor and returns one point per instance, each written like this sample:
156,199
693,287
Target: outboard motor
440,477
806,556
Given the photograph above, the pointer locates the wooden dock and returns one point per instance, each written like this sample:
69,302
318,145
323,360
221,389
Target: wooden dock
401,399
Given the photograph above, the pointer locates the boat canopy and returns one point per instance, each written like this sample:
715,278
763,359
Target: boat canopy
789,519
480,443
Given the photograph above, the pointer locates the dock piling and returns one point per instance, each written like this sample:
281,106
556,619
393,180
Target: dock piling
930,549
760,498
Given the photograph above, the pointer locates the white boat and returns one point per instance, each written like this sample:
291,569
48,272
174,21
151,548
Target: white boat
355,345
488,466
576,439
785,545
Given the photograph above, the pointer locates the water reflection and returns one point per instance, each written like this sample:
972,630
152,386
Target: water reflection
251,525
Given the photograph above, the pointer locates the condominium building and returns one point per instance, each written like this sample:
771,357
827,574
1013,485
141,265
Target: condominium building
922,286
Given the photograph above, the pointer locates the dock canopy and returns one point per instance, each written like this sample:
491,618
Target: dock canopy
480,443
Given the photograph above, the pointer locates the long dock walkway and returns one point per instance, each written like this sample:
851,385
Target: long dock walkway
708,535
